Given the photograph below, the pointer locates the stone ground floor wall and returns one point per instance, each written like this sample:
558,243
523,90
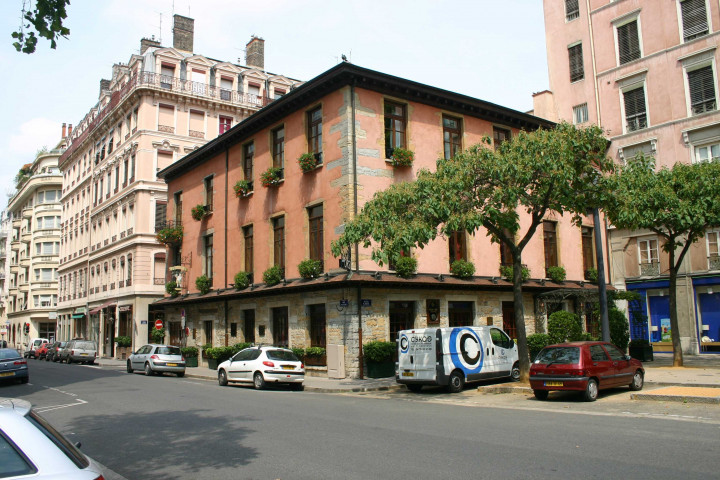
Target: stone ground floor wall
212,322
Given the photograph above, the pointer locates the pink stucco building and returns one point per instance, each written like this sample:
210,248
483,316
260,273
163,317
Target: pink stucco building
350,119
646,71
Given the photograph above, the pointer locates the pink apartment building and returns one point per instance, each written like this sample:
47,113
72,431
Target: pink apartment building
350,118
163,104
646,71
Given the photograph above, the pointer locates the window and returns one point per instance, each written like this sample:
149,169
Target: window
279,241
167,72
278,147
587,249
315,219
225,124
226,85
117,178
132,168
635,109
197,124
248,237
500,135
572,10
707,152
457,247
580,114
280,330
208,324
164,159
648,251
701,84
13,461
209,192
279,93
107,185
452,136
249,325
395,126
628,42
128,280
713,248
126,170
314,119
208,257
166,118
317,325
506,259
550,244
248,154
694,19
160,215
178,208
575,54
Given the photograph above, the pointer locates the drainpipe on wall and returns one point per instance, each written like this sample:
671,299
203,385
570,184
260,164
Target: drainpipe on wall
355,213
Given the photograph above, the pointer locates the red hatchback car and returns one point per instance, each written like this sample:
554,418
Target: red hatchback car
584,367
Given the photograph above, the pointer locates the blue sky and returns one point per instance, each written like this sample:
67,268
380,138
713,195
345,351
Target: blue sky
487,49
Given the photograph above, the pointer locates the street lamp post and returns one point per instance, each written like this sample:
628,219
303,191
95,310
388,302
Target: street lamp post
604,319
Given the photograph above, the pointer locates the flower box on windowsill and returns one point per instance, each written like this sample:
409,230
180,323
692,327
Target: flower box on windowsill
309,162
272,177
243,188
401,158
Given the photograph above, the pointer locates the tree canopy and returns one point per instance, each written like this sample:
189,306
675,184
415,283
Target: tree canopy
533,174
46,18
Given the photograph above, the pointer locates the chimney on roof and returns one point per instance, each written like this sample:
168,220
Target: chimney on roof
64,131
70,130
146,43
104,85
183,32
255,53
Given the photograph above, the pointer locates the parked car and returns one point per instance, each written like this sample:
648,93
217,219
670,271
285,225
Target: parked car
34,344
41,351
31,448
13,366
53,351
262,365
158,359
79,350
585,367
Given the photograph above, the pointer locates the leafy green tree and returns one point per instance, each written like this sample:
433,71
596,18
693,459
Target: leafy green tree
533,174
46,18
678,204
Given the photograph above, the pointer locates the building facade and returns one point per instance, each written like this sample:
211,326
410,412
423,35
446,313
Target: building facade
263,211
5,228
33,222
646,71
161,105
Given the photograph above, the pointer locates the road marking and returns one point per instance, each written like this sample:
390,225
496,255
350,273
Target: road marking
57,407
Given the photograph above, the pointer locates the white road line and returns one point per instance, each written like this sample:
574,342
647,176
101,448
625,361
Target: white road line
57,407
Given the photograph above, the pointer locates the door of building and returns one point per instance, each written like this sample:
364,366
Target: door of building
280,326
508,312
175,330
401,316
659,318
710,316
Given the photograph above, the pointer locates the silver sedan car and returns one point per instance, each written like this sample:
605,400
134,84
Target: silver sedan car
30,447
158,359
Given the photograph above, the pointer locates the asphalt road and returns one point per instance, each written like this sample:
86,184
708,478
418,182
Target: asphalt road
166,427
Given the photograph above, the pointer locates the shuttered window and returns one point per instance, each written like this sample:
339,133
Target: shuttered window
628,42
164,159
197,124
575,54
694,19
166,119
315,220
160,215
635,113
702,90
572,10
279,242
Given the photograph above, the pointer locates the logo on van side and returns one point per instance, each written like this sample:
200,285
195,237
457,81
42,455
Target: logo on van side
466,350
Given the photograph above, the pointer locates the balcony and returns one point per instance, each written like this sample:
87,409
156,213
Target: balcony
25,262
14,269
167,224
26,237
24,287
714,262
651,269
27,212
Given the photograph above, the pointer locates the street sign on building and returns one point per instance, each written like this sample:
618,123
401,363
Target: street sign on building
158,324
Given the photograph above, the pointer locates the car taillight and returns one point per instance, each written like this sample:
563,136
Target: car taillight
154,357
302,365
182,359
20,362
72,352
100,478
268,364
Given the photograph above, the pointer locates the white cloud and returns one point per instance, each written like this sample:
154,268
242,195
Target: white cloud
31,136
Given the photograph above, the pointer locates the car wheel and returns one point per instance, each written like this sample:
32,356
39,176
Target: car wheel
541,394
413,387
591,391
297,387
68,360
180,374
129,367
222,378
258,381
148,370
637,381
515,372
457,382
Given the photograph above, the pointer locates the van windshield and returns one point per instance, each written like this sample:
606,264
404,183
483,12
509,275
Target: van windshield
559,355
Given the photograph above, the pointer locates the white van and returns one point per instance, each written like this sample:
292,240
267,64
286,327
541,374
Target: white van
453,356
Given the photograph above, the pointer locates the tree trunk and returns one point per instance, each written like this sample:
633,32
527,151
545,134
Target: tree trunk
523,357
674,324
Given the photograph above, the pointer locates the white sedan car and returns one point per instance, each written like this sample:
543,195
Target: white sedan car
31,448
262,365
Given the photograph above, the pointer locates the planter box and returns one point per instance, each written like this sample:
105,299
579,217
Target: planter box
320,361
191,362
121,353
381,369
212,363
644,353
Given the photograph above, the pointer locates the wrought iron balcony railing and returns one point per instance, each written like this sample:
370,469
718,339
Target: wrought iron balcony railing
651,269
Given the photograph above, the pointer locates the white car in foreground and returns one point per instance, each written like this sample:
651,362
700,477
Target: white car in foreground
31,448
263,365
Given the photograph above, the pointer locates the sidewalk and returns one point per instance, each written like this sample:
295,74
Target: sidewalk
700,373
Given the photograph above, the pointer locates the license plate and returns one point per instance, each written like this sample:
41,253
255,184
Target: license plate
408,374
83,354
288,367
553,384
8,374
172,364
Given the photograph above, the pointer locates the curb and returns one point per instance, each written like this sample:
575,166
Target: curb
675,398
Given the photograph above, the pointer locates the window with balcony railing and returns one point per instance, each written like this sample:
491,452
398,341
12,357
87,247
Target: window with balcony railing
635,109
701,84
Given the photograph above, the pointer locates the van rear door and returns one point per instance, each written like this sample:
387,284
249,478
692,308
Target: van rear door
416,355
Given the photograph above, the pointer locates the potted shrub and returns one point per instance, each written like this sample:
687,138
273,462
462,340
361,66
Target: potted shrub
273,275
205,349
308,162
402,157
242,188
641,349
170,235
242,280
172,289
405,267
158,336
506,271
591,275
203,284
556,274
378,356
536,342
191,356
271,177
316,356
123,346
564,327
310,268
199,212
299,352
462,268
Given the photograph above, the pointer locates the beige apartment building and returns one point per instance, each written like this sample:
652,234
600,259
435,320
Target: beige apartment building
161,105
647,72
5,228
32,226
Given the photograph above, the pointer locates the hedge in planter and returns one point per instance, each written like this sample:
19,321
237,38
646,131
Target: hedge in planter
191,356
123,341
556,274
310,268
272,276
203,284
242,280
405,267
172,289
506,271
462,268
378,356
